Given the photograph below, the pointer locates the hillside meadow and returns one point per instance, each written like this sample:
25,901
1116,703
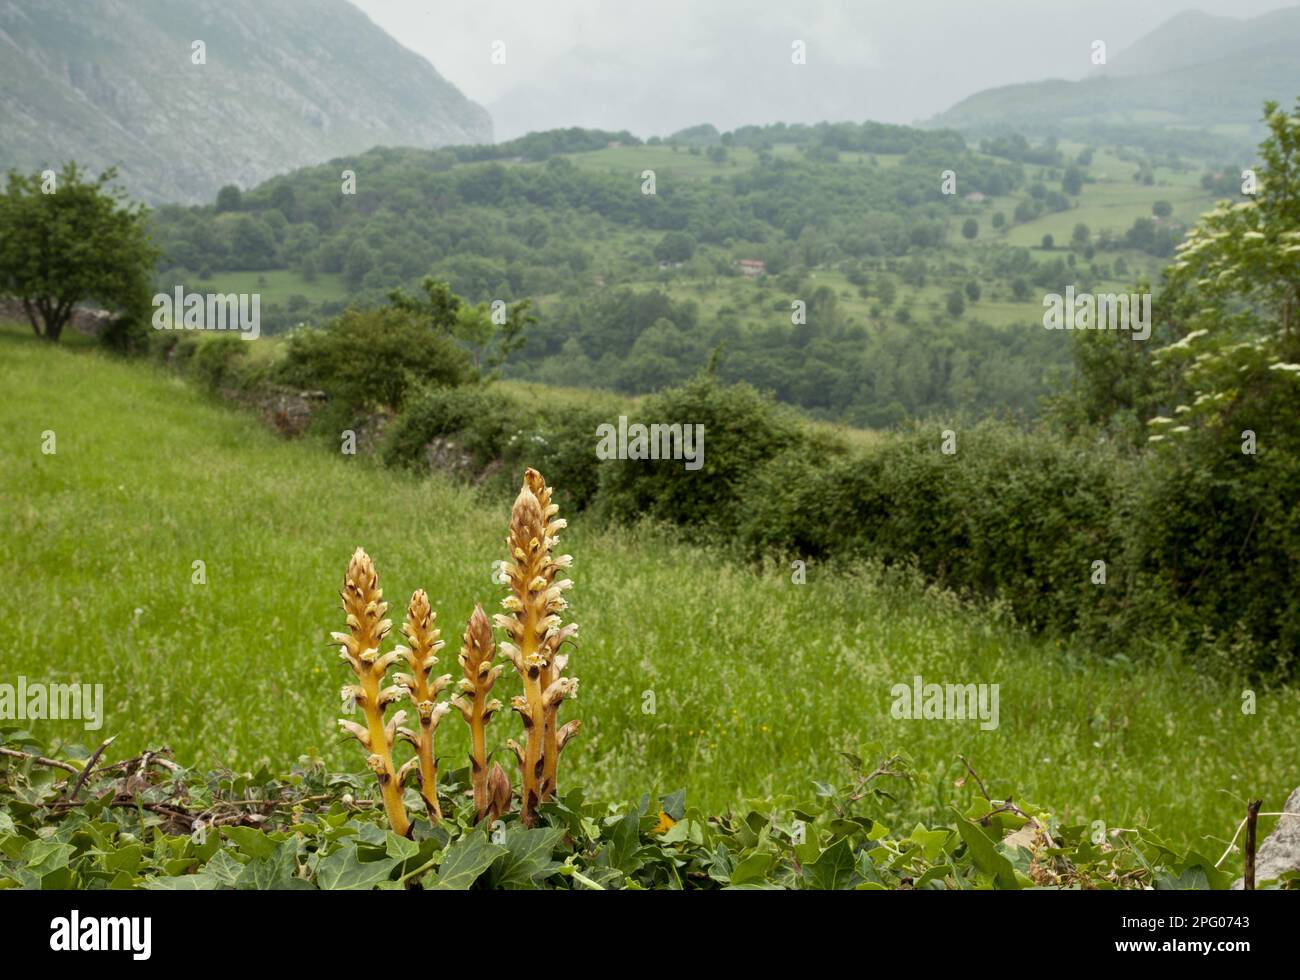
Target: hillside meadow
758,683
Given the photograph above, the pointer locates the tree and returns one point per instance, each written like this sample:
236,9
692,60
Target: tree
1048,242
65,240
1072,182
252,243
229,198
676,246
973,291
1239,274
1081,234
956,303
1162,209
969,229
369,359
359,261
999,220
490,332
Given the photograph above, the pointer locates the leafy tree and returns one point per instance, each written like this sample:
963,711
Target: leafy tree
676,246
999,220
229,198
252,243
1240,269
359,261
1048,242
969,229
1162,209
371,359
956,303
1072,182
1081,234
489,332
80,241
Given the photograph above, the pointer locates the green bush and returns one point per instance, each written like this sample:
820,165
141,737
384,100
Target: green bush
369,360
1216,544
218,362
502,434
742,430
477,419
1010,515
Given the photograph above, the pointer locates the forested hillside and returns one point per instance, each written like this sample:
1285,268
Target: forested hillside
830,264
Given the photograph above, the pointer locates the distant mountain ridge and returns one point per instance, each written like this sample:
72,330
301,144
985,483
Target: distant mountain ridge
1194,72
287,83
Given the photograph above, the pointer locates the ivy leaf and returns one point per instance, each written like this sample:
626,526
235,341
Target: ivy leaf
674,804
833,869
250,841
624,843
752,867
985,855
465,860
343,870
224,869
275,872
200,881
529,857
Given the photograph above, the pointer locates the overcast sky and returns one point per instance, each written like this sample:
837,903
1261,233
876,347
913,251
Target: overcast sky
658,66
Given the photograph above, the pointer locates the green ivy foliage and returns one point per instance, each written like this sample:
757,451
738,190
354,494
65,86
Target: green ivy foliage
148,823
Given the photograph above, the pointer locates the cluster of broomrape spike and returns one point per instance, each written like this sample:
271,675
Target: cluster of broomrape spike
532,621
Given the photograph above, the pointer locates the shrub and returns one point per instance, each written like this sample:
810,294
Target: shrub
218,362
742,429
368,360
478,419
1010,515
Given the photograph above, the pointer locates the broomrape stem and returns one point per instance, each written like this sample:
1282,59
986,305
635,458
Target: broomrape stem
476,663
359,646
421,657
532,620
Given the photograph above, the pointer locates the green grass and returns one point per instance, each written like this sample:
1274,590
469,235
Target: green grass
759,683
274,285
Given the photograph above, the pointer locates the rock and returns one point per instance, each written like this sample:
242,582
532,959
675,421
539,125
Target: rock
1280,851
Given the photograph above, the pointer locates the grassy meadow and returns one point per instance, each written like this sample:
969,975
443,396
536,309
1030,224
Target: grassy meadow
758,683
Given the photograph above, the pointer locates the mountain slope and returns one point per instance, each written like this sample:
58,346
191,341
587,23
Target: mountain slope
1194,72
286,83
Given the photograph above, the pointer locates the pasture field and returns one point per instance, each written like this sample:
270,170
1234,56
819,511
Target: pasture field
758,683
275,285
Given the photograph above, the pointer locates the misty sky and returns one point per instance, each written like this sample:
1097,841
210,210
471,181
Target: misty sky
659,66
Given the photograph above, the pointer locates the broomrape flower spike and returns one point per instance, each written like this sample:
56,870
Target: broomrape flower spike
476,663
363,603
421,656
532,621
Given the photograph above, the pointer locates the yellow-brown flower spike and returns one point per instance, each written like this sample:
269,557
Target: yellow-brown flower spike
475,660
498,790
363,602
423,690
532,621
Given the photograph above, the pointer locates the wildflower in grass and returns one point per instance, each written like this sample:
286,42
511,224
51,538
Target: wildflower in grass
423,690
472,701
532,621
363,603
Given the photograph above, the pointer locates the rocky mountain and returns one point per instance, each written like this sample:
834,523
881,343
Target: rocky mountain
279,84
